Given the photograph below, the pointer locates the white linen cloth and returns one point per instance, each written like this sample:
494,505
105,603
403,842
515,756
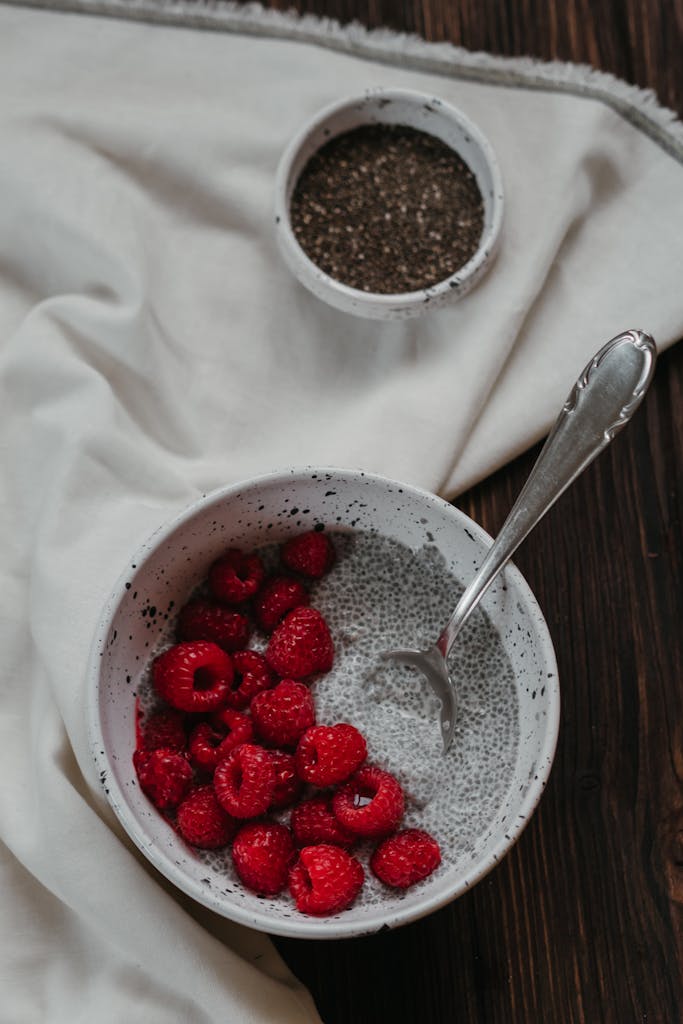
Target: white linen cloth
153,347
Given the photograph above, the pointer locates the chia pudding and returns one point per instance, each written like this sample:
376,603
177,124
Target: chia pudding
382,595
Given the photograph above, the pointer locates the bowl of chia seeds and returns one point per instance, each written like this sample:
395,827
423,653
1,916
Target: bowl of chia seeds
402,558
389,204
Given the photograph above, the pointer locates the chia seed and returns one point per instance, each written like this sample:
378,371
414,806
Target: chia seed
387,209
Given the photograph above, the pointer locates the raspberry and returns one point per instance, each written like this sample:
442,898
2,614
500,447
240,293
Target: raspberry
325,880
370,803
282,715
277,597
236,727
204,620
236,576
164,729
328,754
310,554
262,853
301,645
405,858
202,821
193,676
210,744
288,785
313,822
165,776
245,781
252,675
203,746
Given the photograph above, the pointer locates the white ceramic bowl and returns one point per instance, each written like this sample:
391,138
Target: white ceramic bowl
162,575
399,107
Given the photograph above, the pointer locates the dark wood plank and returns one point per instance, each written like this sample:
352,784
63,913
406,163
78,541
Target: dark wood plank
583,921
637,40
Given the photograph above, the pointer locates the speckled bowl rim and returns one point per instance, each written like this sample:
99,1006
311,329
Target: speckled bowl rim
379,305
302,927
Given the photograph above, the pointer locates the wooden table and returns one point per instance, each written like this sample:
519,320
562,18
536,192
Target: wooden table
583,921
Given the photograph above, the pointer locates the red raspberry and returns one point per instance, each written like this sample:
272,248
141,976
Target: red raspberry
202,821
193,676
312,554
328,754
301,645
165,776
253,674
313,822
245,781
325,880
203,746
288,785
204,620
164,729
282,715
210,744
406,858
236,576
262,853
239,728
277,597
370,803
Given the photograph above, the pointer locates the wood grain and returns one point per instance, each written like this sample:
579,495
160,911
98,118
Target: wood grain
583,921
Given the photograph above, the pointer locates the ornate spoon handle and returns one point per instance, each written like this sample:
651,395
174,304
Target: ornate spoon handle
601,403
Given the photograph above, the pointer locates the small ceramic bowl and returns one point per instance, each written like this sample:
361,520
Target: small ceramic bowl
484,791
392,107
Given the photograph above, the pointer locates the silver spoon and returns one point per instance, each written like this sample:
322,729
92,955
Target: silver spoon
601,403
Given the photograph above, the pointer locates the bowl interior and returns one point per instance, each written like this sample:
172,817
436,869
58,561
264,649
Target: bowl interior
423,113
493,787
